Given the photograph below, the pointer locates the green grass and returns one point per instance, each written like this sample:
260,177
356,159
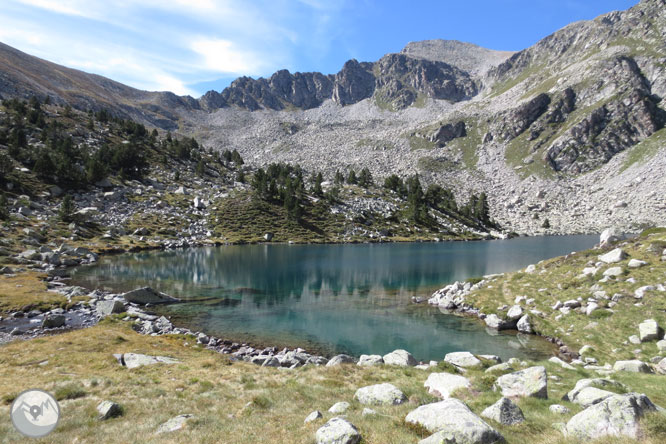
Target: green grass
420,143
644,150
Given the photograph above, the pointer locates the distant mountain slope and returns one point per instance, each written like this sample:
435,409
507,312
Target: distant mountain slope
22,75
466,56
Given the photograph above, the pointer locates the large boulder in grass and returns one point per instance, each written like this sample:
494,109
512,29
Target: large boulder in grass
147,295
444,384
598,383
613,256
505,412
337,431
532,382
452,421
463,359
402,358
632,366
380,394
649,330
617,415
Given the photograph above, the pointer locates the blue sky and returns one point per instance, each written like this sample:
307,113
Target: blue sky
191,46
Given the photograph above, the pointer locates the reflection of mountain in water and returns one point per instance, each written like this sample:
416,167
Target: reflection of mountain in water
352,298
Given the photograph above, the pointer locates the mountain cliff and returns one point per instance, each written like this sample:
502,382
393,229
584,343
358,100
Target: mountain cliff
570,129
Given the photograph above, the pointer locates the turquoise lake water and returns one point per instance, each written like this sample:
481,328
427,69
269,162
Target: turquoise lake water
333,298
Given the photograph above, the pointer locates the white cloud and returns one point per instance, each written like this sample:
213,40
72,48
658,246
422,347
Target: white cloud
221,56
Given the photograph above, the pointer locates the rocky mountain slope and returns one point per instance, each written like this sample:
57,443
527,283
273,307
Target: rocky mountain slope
565,136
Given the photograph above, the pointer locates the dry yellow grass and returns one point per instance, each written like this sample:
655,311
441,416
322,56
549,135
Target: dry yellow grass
239,402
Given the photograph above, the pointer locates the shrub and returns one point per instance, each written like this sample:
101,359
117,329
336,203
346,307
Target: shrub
71,391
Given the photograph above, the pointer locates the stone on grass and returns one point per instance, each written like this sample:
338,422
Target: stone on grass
368,360
400,357
634,366
380,394
463,359
613,272
649,330
368,412
313,417
515,313
559,409
53,321
585,349
635,263
134,360
505,412
661,345
590,395
147,295
532,382
524,324
451,418
639,293
613,256
109,409
600,383
503,367
617,415
661,367
608,236
340,359
444,384
339,408
106,308
174,424
337,431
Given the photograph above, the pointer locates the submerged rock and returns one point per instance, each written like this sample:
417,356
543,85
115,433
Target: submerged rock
147,295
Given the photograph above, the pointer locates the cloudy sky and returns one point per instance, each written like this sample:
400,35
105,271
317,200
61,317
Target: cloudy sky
191,46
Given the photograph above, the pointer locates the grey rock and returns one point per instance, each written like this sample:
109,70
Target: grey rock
495,322
524,325
174,424
649,330
559,409
339,408
661,345
463,359
505,412
515,313
53,321
340,359
313,417
633,366
444,384
600,383
147,295
505,366
614,272
380,394
134,360
106,308
635,263
591,395
617,415
368,412
453,420
532,382
337,431
613,256
109,409
400,357
369,360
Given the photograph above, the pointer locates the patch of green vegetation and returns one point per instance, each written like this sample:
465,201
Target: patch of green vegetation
420,143
435,165
543,87
654,230
70,391
421,100
501,88
643,151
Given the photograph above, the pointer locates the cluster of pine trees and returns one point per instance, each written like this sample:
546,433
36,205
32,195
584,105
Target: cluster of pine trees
282,183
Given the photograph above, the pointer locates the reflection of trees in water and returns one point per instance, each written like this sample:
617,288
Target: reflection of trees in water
266,275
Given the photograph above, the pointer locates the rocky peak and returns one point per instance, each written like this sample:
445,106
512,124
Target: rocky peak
465,56
353,83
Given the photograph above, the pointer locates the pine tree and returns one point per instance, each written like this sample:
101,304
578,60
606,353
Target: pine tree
201,168
415,200
240,176
44,166
482,210
4,208
351,178
339,178
316,188
546,224
66,212
365,178
236,158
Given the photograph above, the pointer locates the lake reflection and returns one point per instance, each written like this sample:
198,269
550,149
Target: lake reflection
333,298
